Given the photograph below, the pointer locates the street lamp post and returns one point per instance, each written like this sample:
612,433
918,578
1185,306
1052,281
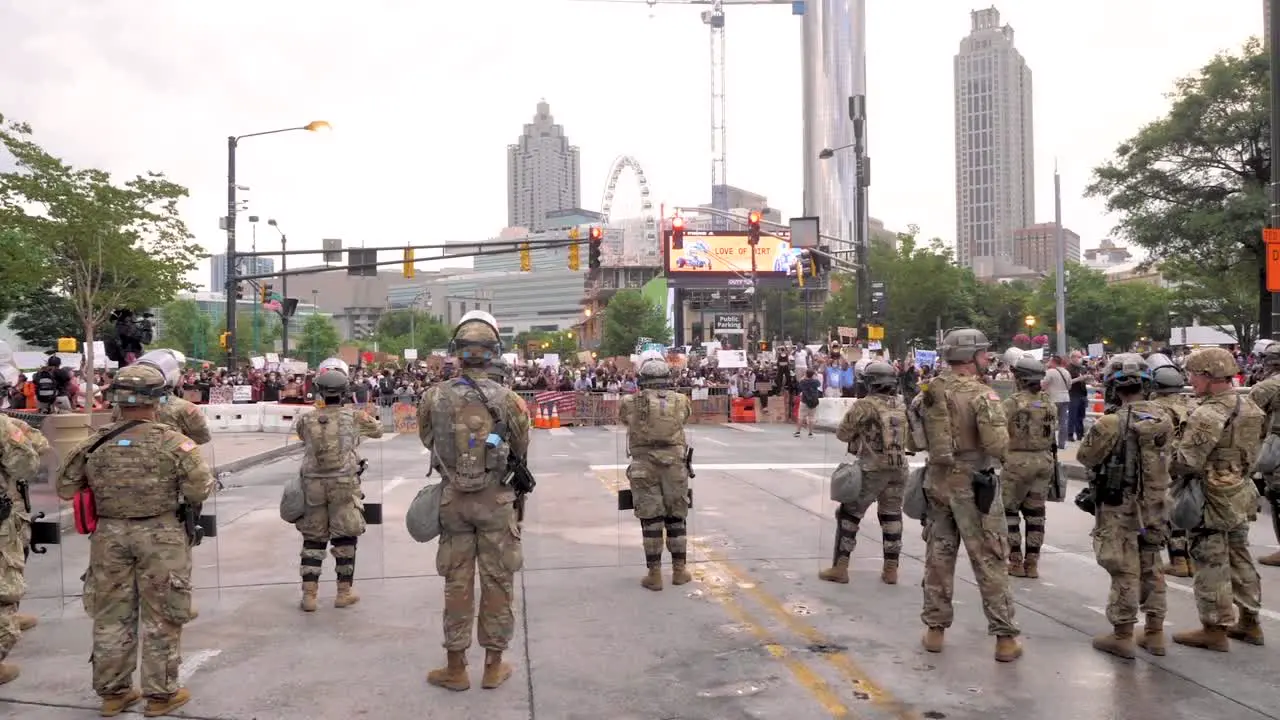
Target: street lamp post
284,290
1030,322
233,142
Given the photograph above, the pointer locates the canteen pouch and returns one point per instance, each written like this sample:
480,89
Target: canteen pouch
915,504
986,485
293,500
1268,456
85,510
422,519
1188,504
846,483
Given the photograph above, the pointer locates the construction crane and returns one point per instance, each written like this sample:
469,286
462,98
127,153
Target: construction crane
714,19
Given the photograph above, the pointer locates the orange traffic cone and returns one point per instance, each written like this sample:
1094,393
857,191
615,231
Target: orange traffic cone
555,416
541,422
1098,407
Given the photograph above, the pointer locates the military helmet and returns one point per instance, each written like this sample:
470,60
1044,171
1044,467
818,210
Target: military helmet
962,345
334,363
1028,370
139,385
1011,355
1270,355
880,377
168,362
1168,379
1126,371
1156,361
654,371
332,381
1215,362
477,330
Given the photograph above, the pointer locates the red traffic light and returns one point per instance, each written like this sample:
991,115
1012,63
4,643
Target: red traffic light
753,218
677,223
596,233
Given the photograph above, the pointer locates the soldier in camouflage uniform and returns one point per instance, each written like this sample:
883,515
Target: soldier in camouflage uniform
1167,390
966,432
1131,521
176,411
500,372
334,518
1028,466
1217,449
655,419
40,445
18,464
472,426
1266,395
875,430
138,586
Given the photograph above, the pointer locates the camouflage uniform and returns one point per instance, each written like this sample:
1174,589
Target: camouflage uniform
1127,536
966,432
655,419
40,444
1178,408
1218,447
1028,469
1266,395
182,414
139,574
334,518
874,429
479,529
18,464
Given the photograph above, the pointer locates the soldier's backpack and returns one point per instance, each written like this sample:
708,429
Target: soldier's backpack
331,440
892,432
657,422
467,448
917,441
46,386
1032,424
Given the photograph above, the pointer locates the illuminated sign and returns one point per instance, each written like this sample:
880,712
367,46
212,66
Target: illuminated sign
723,255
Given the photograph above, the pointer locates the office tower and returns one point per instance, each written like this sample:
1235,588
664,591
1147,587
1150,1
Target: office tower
995,150
543,173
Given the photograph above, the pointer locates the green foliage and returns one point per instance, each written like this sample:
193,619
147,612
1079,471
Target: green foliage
184,326
265,326
1119,314
22,268
107,246
628,317
562,342
402,329
1190,187
319,339
42,317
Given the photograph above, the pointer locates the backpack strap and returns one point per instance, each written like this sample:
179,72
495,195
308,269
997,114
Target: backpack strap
119,430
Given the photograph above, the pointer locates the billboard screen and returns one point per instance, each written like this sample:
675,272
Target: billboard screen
716,258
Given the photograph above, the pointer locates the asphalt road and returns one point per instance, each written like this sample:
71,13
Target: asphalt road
757,635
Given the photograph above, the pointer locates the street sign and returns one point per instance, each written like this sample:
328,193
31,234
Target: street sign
1271,236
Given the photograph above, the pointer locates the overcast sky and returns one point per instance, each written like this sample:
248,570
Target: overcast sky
424,98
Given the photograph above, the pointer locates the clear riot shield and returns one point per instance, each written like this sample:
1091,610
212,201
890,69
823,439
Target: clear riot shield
51,578
201,521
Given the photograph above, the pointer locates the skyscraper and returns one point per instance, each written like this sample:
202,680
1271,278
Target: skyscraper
249,266
995,148
543,173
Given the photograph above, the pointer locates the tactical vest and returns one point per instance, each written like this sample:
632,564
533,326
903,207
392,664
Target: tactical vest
1031,427
331,443
1179,410
1144,444
1241,437
656,420
960,394
462,429
887,431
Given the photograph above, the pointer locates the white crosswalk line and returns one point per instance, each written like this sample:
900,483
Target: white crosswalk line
561,432
740,427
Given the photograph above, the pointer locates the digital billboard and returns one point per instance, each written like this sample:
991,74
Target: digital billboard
721,257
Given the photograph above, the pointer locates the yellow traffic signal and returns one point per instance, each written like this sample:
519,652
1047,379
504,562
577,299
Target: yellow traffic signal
573,258
265,293
526,257
408,262
800,273
222,340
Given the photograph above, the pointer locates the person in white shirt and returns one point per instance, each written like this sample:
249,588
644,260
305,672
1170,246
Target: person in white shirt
1056,384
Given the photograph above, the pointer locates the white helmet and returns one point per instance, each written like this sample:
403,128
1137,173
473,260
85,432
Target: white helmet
1011,355
335,363
168,362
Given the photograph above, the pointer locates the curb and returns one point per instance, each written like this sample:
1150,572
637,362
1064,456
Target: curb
245,463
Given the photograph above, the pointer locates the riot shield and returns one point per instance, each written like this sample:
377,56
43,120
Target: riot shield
51,578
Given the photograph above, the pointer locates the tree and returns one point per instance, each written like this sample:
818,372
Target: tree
184,326
628,317
1097,311
1000,309
923,287
1191,186
264,325
560,342
1227,300
22,268
108,246
399,330
319,339
42,317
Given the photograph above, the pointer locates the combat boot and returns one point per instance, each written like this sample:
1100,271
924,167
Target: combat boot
113,705
653,581
1031,567
309,590
679,574
1179,567
1272,560
25,621
346,596
159,707
1008,648
453,676
1210,637
8,673
932,640
1016,568
1152,637
1118,642
838,573
496,672
1246,630
889,573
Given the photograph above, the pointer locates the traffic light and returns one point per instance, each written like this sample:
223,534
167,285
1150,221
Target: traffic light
265,293
239,291
813,263
800,265
764,346
573,257
408,262
753,228
526,257
223,339
596,238
677,233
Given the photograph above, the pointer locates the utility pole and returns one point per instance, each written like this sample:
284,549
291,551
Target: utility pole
1060,260
1267,325
231,253
862,219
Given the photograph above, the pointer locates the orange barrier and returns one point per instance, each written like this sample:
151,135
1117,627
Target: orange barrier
743,410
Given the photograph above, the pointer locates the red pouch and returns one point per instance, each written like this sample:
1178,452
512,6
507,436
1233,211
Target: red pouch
86,512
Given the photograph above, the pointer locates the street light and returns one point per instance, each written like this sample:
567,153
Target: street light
233,142
1029,321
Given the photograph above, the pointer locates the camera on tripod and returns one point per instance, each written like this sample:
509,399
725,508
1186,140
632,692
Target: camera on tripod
133,330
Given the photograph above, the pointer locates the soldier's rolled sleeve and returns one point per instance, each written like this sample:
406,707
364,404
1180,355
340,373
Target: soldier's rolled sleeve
848,430
195,478
197,426
624,410
1191,453
71,477
424,418
1098,442
20,460
368,425
518,425
1264,395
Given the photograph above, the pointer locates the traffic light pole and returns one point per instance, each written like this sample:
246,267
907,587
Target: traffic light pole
284,296
232,280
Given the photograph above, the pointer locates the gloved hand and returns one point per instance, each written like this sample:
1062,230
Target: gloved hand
1156,535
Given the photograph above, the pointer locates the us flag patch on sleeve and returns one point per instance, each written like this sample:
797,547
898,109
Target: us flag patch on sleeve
187,446
17,435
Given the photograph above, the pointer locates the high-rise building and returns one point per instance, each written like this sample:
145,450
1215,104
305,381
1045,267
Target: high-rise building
543,173
248,266
1034,247
995,149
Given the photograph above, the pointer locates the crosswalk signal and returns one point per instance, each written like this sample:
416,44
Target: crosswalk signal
223,339
574,259
239,291
677,233
753,228
526,257
408,263
800,264
596,238
265,293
